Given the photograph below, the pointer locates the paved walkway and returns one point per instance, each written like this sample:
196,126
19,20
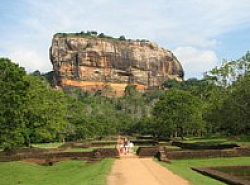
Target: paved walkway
131,170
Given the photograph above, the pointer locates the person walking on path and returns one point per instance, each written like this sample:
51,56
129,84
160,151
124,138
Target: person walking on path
125,145
120,145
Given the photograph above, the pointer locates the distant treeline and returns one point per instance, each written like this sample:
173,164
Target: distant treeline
95,34
32,111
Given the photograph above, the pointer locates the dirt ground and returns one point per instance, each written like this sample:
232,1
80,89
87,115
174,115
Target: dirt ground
131,170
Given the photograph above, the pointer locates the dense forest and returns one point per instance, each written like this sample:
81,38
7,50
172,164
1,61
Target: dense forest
31,111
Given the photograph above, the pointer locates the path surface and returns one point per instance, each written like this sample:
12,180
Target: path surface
131,170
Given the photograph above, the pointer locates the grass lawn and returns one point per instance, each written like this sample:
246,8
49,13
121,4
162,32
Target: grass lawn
79,149
182,168
47,145
212,140
88,149
62,173
243,140
173,147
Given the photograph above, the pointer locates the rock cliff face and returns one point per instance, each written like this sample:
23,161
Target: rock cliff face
94,64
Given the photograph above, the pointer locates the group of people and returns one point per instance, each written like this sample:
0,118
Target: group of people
125,145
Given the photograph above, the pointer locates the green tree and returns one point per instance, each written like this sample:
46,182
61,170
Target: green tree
177,111
94,33
235,109
13,97
223,92
130,90
101,35
122,37
229,71
77,119
45,111
172,84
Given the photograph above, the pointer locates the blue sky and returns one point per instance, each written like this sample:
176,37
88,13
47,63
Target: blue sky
200,33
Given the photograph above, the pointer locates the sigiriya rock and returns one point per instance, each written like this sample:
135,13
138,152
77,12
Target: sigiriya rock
93,63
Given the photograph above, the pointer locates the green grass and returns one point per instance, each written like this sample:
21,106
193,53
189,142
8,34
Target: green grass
88,149
215,140
104,141
173,147
47,145
79,149
136,147
182,168
244,144
243,141
62,173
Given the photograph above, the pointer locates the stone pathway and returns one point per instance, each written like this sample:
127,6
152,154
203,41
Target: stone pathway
131,170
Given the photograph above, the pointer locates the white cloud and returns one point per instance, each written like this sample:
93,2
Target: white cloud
195,61
190,23
30,59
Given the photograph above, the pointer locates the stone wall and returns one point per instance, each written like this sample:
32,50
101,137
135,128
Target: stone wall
147,151
192,154
97,154
204,146
229,179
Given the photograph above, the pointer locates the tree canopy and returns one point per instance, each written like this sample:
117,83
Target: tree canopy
175,111
13,98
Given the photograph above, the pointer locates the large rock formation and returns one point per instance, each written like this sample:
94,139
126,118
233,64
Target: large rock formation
94,63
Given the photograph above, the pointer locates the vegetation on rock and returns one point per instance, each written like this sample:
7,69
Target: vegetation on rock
94,34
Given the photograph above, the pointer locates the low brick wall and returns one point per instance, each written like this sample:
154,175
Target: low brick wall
10,158
46,155
102,144
96,154
30,151
204,146
229,179
147,151
149,143
189,154
75,145
23,150
107,152
244,151
87,145
144,138
164,143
